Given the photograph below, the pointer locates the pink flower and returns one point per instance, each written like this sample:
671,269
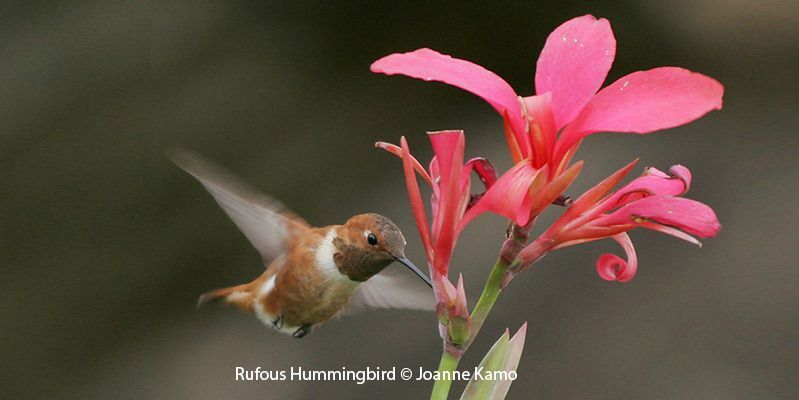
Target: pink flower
547,128
451,201
650,201
453,206
449,178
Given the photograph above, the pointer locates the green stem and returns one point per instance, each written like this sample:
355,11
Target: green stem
448,364
488,297
517,237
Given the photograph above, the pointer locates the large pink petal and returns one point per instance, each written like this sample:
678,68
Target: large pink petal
644,102
611,267
688,215
509,196
430,65
574,63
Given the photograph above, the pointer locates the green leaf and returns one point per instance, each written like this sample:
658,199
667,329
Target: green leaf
492,378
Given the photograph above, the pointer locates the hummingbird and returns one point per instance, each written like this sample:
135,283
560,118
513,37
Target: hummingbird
312,274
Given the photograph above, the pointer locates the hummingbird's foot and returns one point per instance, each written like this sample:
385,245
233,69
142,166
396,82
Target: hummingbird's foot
302,331
278,323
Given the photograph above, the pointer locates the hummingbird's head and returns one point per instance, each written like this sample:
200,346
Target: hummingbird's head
370,243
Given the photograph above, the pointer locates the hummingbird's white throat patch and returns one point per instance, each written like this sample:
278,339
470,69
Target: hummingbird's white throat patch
324,257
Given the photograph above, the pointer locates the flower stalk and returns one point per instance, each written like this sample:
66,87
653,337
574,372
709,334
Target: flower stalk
447,365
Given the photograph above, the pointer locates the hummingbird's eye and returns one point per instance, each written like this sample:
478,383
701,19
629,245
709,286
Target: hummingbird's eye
371,239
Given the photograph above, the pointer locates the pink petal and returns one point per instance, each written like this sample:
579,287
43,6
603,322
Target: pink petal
681,172
509,196
518,142
652,182
592,196
544,197
453,196
688,215
485,172
644,102
415,198
671,231
430,65
483,168
541,122
460,309
448,147
446,292
397,151
611,267
574,63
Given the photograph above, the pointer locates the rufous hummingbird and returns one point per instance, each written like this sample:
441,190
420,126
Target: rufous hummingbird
312,274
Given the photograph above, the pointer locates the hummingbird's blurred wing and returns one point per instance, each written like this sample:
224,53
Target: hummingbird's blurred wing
394,287
265,222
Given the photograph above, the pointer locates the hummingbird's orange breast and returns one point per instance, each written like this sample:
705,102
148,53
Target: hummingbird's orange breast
305,286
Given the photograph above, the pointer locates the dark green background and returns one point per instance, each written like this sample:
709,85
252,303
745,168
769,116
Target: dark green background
105,245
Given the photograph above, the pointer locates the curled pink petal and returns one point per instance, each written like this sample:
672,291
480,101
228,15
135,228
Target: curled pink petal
483,168
611,267
652,182
644,102
430,65
574,63
683,174
487,174
688,215
509,196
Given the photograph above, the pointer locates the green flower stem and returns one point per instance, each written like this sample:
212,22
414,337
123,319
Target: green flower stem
517,237
449,363
488,297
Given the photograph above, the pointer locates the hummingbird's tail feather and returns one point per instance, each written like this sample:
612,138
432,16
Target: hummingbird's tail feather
238,295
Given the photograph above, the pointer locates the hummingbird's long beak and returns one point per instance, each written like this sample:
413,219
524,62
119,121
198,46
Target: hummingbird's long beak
406,262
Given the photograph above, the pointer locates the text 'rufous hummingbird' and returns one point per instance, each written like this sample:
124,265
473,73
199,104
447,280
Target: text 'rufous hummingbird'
312,274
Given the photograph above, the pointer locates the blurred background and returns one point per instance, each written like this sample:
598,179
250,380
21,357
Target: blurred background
105,245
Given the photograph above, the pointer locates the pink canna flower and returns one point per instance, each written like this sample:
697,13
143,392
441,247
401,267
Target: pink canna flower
453,206
650,201
547,128
449,178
